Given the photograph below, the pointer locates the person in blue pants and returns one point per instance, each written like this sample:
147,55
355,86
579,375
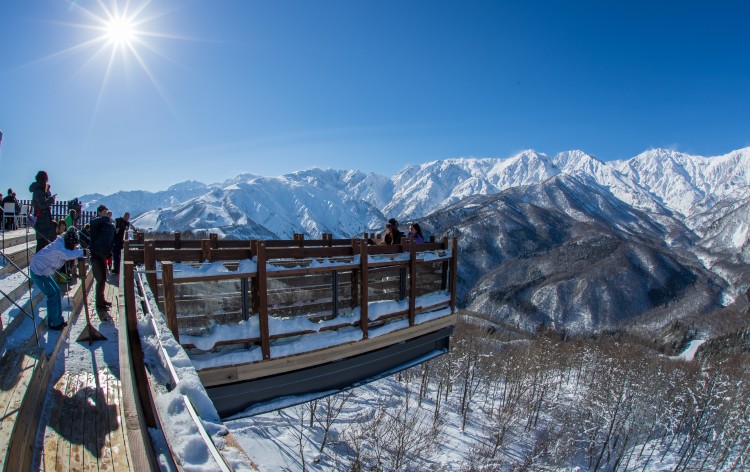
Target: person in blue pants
43,266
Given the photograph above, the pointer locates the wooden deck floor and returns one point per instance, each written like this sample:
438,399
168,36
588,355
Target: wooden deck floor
84,429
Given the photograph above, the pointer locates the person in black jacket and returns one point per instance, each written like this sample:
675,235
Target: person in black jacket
121,228
42,199
392,233
11,198
102,239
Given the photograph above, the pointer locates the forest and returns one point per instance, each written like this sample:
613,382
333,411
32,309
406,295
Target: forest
509,401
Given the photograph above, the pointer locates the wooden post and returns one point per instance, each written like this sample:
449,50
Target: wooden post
177,240
126,256
335,288
355,274
412,282
149,261
454,275
254,291
170,310
134,345
245,294
265,337
363,316
444,271
205,250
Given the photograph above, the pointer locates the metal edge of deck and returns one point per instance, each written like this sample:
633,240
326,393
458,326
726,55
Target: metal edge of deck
334,375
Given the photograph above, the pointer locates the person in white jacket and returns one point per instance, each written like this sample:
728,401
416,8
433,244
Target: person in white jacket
43,266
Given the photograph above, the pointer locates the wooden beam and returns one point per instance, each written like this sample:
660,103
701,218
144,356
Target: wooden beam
149,261
454,273
412,282
205,250
167,280
138,410
265,341
364,295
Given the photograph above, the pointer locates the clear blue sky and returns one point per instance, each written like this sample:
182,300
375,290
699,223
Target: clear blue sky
220,87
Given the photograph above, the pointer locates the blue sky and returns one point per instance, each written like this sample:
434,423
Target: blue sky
216,88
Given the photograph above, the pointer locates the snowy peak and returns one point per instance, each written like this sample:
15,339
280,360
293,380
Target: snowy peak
680,181
311,202
661,182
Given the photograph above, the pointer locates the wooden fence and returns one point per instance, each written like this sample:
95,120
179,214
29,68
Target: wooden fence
315,279
59,210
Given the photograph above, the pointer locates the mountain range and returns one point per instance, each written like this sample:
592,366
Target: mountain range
566,241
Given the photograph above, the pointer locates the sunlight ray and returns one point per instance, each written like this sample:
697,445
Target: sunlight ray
97,104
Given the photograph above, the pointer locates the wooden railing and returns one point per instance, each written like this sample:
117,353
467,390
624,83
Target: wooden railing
59,210
332,281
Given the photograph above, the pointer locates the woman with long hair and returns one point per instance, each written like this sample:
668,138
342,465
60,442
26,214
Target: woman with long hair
41,201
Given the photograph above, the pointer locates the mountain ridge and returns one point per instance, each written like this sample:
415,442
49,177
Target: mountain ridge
565,241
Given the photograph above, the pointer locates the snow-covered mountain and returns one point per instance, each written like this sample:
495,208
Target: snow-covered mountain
661,182
566,240
310,202
568,254
140,201
682,181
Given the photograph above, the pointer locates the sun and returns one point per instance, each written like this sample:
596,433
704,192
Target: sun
120,31
115,35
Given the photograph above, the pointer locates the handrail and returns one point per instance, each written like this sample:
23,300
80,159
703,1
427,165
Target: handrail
2,292
360,259
59,210
28,279
220,460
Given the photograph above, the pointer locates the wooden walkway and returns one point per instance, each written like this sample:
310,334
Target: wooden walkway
84,428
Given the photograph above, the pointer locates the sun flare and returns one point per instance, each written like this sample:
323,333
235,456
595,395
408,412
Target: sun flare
121,31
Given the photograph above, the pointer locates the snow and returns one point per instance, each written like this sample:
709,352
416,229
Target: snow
157,340
689,353
307,342
183,432
739,237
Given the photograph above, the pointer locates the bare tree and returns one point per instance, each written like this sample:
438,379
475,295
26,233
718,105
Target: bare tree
331,407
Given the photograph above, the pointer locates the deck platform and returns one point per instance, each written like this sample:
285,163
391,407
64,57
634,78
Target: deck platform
83,414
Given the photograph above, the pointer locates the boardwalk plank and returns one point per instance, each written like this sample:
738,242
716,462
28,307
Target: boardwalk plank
75,438
52,433
103,426
66,414
8,410
22,371
87,397
118,437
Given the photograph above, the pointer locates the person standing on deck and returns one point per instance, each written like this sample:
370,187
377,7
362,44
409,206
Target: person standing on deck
43,266
415,233
121,228
41,200
102,239
392,233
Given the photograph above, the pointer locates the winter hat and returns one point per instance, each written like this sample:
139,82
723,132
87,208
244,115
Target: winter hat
393,222
71,238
